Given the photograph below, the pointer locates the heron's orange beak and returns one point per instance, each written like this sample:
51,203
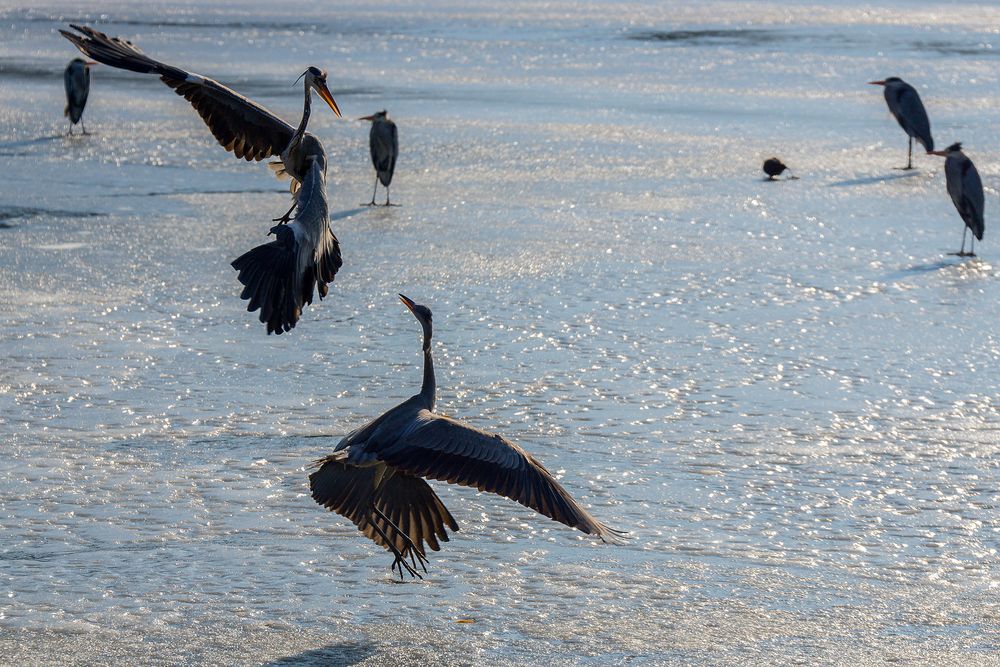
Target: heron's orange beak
876,83
324,92
367,118
91,63
941,153
407,302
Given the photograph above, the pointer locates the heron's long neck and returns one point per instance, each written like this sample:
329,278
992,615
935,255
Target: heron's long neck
306,105
427,389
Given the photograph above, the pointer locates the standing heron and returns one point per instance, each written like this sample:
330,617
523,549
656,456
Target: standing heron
374,477
279,277
76,78
966,190
905,105
384,146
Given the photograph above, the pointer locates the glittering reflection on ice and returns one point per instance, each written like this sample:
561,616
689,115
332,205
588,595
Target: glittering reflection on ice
785,392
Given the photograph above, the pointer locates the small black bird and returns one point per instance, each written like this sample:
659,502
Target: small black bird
773,167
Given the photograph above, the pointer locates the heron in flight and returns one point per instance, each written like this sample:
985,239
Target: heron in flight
966,190
76,78
384,146
905,105
376,475
279,277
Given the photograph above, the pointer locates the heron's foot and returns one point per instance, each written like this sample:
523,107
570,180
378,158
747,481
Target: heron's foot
906,168
387,204
962,253
400,564
792,178
371,203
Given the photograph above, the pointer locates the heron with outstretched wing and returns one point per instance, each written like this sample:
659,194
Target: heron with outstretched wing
376,475
279,277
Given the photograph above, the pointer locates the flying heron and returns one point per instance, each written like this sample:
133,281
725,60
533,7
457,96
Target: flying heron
279,277
904,103
384,146
374,477
966,190
76,78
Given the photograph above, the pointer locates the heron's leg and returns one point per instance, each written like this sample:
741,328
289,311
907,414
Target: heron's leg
372,202
961,253
909,154
972,247
84,126
70,133
414,549
387,197
288,214
400,559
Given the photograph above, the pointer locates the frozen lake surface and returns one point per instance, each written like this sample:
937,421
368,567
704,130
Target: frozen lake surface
788,393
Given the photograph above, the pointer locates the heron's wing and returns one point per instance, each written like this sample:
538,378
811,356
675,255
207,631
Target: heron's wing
408,502
970,201
319,256
384,146
912,116
281,277
239,124
442,448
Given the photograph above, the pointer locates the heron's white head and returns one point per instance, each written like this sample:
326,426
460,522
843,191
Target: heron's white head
886,82
954,148
381,115
315,78
423,315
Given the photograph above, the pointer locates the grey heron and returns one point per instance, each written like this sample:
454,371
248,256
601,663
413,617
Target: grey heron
383,143
76,79
376,475
966,190
279,277
905,105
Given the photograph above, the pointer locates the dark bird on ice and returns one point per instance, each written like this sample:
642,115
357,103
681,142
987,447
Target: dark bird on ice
375,477
384,146
905,105
279,277
76,79
773,167
966,190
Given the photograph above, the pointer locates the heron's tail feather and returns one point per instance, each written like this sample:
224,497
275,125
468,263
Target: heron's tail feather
118,52
328,262
268,275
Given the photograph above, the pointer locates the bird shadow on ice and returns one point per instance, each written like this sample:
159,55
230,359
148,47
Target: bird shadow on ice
344,653
871,180
918,269
340,215
6,146
969,267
